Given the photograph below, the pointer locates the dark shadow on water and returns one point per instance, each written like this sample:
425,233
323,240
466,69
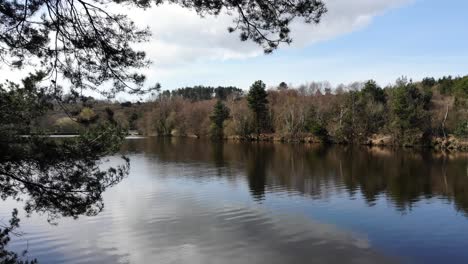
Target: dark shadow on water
257,159
404,177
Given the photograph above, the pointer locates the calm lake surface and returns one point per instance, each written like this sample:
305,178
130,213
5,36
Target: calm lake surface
193,201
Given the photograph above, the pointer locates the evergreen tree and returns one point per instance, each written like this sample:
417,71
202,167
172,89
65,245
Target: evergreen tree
460,91
428,82
220,114
445,85
222,93
258,103
370,109
372,90
410,118
283,86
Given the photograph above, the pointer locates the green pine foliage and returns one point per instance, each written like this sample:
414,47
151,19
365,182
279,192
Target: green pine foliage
258,103
409,115
219,115
200,93
462,129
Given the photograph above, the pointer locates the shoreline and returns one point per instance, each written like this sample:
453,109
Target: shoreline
450,144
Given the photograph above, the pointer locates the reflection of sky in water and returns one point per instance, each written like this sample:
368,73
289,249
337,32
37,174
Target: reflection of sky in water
182,220
193,212
400,233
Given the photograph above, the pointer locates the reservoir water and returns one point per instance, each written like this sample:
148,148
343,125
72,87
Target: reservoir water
194,201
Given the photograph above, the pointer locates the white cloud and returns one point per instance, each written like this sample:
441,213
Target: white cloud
180,36
343,17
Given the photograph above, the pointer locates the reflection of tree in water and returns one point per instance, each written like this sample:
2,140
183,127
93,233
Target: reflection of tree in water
257,159
61,181
218,155
402,176
406,177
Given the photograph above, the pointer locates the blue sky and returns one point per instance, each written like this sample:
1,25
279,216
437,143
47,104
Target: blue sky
416,38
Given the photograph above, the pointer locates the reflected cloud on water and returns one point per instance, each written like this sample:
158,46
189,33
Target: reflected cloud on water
195,201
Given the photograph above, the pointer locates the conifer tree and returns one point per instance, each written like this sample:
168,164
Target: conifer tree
220,114
258,103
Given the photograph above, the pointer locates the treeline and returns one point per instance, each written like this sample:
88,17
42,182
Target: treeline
405,113
198,93
81,112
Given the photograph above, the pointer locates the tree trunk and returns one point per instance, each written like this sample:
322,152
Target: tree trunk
443,122
341,117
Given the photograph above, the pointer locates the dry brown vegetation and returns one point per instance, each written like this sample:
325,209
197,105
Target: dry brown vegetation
406,113
430,113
